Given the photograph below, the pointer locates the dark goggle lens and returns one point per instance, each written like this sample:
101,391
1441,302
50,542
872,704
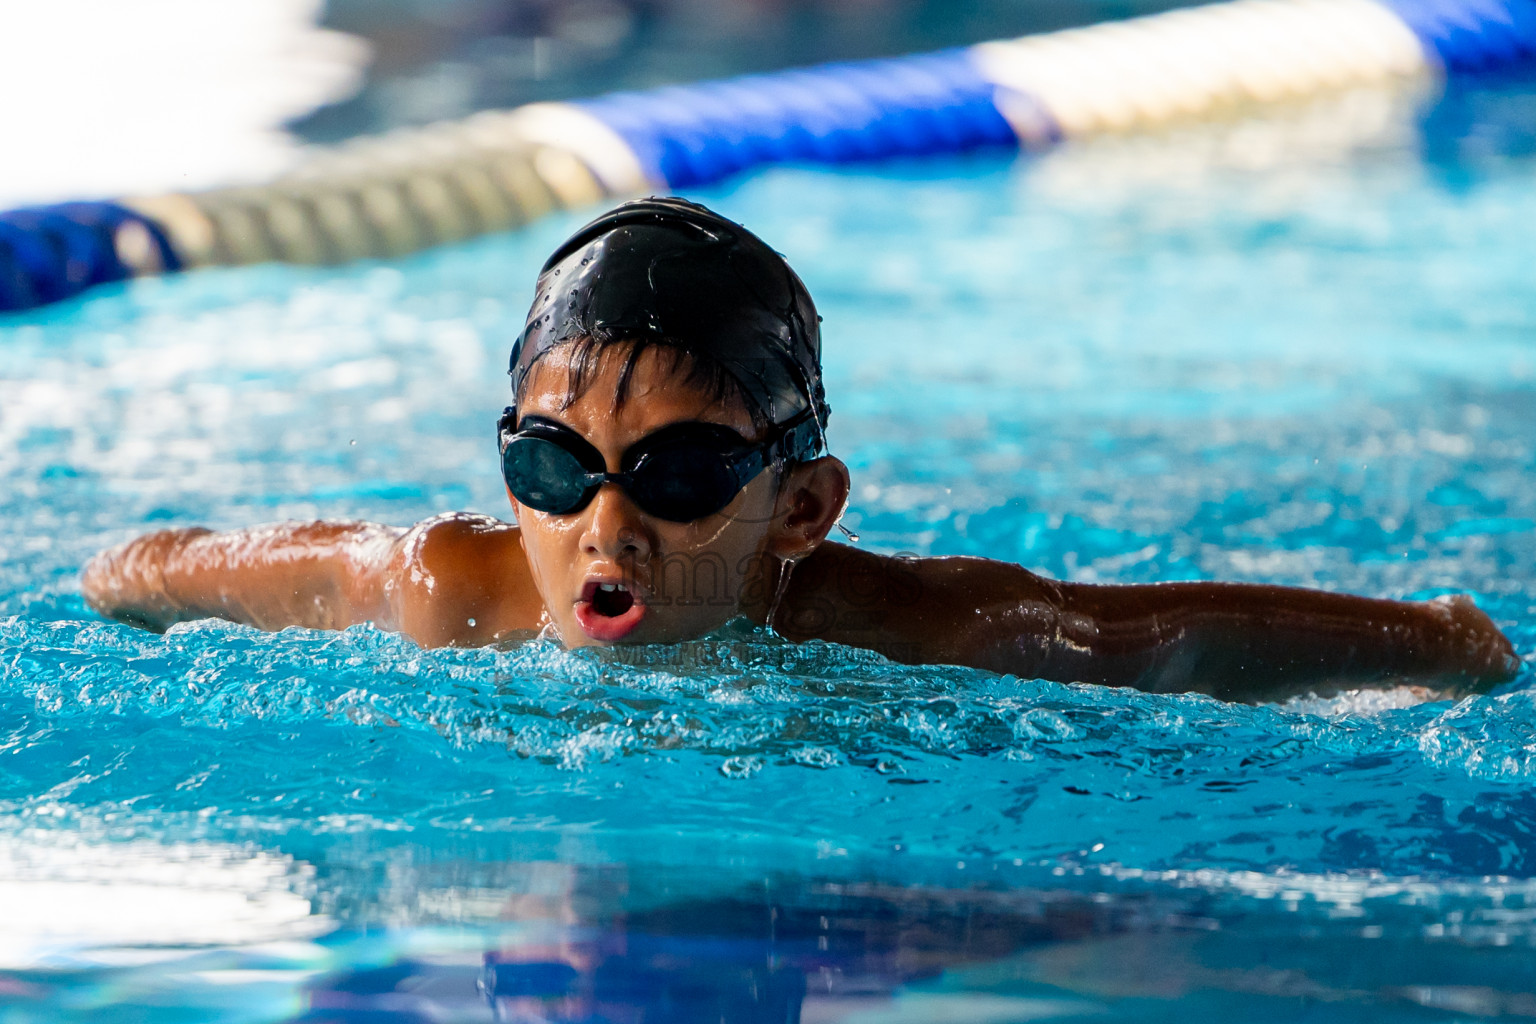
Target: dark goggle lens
683,482
543,475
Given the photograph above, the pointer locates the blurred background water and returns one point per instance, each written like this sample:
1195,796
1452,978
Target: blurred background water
1256,352
446,59
159,95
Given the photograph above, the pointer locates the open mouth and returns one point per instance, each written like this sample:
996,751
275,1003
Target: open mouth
608,611
611,600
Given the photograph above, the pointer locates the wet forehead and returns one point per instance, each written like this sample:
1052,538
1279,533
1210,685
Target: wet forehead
659,395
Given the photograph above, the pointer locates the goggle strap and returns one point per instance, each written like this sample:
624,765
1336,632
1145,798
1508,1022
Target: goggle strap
801,439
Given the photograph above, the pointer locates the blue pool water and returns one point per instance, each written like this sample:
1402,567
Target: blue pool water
1321,373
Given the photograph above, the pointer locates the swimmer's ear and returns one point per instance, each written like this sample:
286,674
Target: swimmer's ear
812,496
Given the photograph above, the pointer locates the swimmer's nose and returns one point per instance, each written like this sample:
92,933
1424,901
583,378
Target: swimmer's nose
615,528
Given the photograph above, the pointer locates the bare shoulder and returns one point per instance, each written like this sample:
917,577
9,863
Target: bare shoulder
453,532
461,579
919,609
919,585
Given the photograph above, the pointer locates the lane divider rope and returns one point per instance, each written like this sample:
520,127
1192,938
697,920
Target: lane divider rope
385,196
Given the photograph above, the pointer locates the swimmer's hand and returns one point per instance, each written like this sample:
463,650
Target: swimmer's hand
453,579
1244,642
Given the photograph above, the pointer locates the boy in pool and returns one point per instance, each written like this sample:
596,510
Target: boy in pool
666,462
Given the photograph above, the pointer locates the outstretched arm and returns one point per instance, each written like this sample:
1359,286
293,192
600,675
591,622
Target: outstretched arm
456,579
322,575
1255,642
1233,641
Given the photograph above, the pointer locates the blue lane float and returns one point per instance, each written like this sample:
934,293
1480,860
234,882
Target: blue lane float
386,196
686,136
1472,36
51,253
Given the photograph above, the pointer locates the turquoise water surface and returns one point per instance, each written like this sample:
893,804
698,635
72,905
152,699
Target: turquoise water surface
1321,373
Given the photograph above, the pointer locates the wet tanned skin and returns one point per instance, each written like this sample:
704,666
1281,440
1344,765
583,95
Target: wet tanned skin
457,579
464,579
1239,642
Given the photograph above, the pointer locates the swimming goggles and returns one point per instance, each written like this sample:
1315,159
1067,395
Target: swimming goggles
679,473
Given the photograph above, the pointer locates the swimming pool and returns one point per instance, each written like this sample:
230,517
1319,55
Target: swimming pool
1103,364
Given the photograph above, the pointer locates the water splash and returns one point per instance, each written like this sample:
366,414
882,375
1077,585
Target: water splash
1339,396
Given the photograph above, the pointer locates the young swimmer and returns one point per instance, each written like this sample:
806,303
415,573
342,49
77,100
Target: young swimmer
666,462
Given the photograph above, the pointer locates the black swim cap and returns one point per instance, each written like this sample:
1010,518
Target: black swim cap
676,272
